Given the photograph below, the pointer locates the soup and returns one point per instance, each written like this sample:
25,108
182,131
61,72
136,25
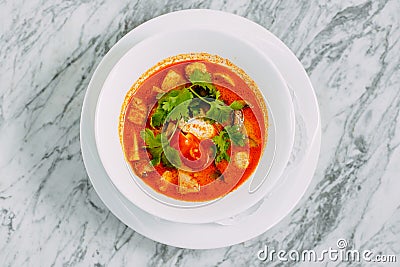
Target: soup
193,127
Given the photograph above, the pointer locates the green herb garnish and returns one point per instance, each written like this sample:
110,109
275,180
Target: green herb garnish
153,145
169,102
230,134
203,80
219,111
187,102
235,135
238,104
158,146
222,143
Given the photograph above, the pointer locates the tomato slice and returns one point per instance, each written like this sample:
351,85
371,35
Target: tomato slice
189,146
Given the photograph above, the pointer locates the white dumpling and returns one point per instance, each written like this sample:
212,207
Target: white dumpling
200,128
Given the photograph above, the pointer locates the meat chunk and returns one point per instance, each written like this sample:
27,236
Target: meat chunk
242,160
224,78
172,80
187,184
138,111
190,68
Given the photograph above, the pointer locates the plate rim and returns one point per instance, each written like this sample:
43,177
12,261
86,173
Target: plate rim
133,222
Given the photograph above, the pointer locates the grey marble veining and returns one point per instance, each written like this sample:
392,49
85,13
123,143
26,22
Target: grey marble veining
50,214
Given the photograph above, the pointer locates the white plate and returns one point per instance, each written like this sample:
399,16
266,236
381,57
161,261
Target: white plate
274,207
148,52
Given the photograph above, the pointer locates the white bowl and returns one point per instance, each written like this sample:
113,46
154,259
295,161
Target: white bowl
145,55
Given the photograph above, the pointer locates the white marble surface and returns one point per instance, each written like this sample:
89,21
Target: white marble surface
51,216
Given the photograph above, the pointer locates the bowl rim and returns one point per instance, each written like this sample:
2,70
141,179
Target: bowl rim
182,58
173,216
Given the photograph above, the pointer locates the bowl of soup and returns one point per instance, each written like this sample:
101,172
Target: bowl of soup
193,128
183,128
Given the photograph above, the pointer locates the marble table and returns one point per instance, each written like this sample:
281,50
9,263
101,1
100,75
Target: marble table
50,214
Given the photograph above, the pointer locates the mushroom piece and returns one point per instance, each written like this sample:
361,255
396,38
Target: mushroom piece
224,77
186,183
253,142
190,68
242,160
237,118
172,80
138,112
254,139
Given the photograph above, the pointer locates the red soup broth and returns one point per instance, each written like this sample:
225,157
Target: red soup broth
233,85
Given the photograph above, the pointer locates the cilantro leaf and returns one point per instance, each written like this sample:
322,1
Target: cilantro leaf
165,162
183,96
149,138
156,154
219,111
238,104
167,103
170,157
198,77
194,107
203,79
222,143
180,111
174,98
158,146
166,96
235,135
153,145
158,117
